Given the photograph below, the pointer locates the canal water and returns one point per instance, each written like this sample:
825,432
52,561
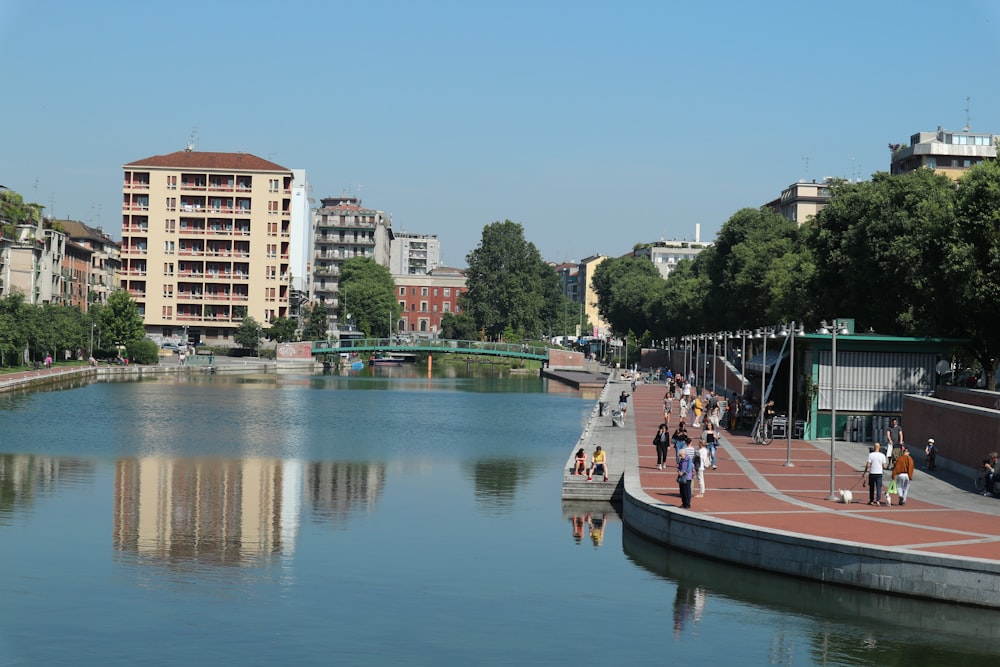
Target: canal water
377,520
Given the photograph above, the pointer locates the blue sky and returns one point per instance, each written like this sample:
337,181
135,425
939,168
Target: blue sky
594,125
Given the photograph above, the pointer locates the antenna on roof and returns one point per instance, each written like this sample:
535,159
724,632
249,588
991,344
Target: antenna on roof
806,161
193,141
966,128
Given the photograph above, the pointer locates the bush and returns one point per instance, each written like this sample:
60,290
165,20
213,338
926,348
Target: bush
143,351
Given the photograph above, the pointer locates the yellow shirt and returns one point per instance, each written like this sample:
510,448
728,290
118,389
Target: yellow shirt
599,457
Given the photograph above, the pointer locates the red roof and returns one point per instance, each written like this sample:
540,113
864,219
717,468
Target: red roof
205,160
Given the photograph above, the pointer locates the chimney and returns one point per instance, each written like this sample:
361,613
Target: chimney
697,232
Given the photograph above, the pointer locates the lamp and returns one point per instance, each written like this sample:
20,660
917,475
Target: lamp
793,332
833,333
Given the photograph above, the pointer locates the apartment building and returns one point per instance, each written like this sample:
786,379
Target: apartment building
205,242
342,229
665,255
946,152
31,262
413,254
802,200
104,258
426,298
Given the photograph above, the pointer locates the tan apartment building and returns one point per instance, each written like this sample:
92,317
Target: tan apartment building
802,200
205,242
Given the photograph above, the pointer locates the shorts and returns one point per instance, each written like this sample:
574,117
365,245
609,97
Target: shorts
598,468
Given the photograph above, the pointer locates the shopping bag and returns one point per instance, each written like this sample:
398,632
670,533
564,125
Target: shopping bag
892,487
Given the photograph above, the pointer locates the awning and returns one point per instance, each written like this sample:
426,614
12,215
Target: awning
757,364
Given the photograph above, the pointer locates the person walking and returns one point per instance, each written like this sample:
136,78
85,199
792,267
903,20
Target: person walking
662,442
685,472
874,467
902,472
893,439
699,409
668,406
711,442
930,455
700,463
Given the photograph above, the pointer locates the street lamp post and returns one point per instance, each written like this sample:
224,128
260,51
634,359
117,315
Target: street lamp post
715,360
833,401
93,325
791,331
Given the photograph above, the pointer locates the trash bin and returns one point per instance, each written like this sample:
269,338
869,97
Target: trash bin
602,407
779,428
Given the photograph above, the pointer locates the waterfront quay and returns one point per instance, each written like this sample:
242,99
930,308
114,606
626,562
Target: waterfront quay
758,512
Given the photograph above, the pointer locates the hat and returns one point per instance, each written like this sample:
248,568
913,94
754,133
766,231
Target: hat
930,440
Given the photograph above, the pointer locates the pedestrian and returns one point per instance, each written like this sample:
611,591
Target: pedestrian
680,438
893,439
874,467
684,407
685,472
700,463
668,404
930,455
623,403
662,442
48,361
699,409
902,473
711,442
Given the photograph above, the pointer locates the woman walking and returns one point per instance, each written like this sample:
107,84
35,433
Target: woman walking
902,473
662,442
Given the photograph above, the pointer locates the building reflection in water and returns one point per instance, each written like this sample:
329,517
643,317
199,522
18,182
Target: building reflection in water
217,511
25,477
337,490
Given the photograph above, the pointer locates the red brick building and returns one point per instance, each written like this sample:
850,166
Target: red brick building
425,298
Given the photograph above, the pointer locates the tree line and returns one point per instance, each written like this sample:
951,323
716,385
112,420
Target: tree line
910,255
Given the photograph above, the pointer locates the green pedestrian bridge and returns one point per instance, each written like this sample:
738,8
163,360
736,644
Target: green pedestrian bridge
431,346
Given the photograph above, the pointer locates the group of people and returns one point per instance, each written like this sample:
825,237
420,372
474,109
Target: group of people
690,459
598,464
902,474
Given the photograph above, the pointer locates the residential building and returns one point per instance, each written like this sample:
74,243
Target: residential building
343,229
413,254
946,152
31,258
300,248
665,255
569,280
105,259
426,298
205,242
600,328
802,200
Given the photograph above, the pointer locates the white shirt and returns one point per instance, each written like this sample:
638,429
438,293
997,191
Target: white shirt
876,463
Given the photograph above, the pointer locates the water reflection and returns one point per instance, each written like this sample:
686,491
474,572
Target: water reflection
335,491
844,626
220,512
26,477
589,520
496,482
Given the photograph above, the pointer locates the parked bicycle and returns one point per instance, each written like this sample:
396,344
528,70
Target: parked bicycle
763,432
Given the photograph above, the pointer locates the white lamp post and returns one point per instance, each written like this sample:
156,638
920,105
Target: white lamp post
793,332
833,400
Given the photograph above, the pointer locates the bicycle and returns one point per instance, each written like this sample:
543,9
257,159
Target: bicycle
763,434
979,481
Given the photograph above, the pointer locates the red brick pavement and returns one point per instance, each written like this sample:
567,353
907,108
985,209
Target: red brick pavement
762,492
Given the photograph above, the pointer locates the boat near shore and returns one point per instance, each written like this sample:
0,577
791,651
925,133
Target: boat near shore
392,359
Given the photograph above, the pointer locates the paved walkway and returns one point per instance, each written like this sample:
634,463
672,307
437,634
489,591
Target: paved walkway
752,485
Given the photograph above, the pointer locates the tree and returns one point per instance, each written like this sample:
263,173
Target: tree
282,330
248,334
627,289
505,282
121,323
316,322
368,293
458,326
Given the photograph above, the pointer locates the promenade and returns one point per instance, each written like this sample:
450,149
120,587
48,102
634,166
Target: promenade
944,544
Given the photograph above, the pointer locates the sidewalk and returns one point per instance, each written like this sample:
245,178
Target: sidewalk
946,537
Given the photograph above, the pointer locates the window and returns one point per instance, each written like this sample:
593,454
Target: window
272,229
168,291
168,312
423,306
413,291
272,207
402,291
446,307
272,250
447,291
435,291
434,308
171,182
171,203
168,269
423,291
171,225
168,247
272,185
269,293
402,305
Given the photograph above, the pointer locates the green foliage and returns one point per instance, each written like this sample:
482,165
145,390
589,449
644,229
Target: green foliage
458,326
15,211
143,351
316,322
248,334
282,330
120,321
627,289
368,293
508,285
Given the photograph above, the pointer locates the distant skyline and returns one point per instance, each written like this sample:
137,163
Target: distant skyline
596,126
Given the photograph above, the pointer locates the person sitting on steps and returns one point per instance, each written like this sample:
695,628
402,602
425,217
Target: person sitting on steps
580,463
600,465
990,468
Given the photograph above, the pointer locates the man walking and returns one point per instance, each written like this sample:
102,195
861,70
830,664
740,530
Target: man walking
685,473
893,438
874,467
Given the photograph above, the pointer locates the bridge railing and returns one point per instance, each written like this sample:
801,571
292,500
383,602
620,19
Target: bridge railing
431,344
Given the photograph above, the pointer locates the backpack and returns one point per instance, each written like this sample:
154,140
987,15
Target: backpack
697,461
